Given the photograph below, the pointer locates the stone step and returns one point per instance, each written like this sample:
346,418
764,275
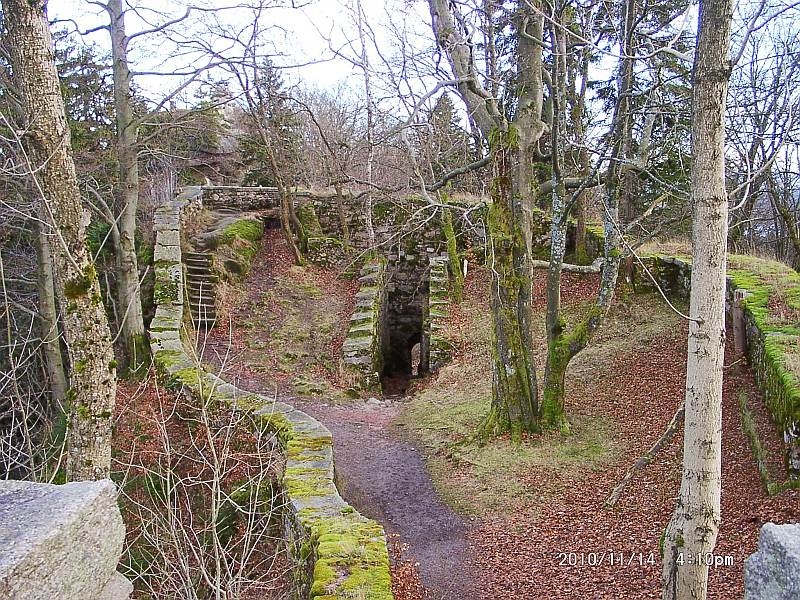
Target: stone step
202,278
206,303
203,317
208,281
204,255
197,260
198,269
197,264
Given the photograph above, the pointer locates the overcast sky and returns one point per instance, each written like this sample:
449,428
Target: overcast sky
299,36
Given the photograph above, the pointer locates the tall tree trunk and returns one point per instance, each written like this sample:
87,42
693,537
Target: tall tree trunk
47,141
514,387
528,121
288,217
514,390
563,345
557,359
692,530
129,291
48,319
624,138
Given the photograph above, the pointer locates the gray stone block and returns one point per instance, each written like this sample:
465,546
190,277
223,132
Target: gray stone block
117,588
170,237
773,572
168,253
60,541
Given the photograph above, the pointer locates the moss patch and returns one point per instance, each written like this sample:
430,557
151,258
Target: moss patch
79,286
249,230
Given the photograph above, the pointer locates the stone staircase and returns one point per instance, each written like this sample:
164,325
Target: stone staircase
200,285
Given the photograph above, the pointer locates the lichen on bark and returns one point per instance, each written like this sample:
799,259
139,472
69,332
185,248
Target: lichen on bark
514,392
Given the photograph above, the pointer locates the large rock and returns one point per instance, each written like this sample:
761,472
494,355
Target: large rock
773,572
60,541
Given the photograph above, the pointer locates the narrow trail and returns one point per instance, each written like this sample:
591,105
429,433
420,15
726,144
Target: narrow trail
385,478
381,474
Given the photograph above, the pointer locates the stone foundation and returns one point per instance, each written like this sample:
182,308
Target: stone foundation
362,352
440,350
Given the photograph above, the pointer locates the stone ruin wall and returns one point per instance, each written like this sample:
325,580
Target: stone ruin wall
330,544
64,541
674,277
408,234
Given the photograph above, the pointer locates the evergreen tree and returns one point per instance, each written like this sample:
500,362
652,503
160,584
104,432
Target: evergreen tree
285,134
447,142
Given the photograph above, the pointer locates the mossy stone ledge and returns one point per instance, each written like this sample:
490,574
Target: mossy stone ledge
338,553
362,354
772,328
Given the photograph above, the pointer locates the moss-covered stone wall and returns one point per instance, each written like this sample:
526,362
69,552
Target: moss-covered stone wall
363,348
440,350
240,198
772,326
337,552
411,235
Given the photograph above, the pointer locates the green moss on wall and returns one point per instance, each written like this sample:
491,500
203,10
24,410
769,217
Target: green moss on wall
165,289
249,230
79,286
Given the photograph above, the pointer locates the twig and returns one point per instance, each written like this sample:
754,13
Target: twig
648,457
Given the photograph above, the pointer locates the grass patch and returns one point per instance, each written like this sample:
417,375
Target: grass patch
496,477
444,415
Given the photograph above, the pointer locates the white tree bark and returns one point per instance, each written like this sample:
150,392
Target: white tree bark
692,530
46,142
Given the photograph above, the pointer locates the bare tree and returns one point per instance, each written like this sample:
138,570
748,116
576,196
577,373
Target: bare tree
48,161
173,31
692,530
202,497
764,120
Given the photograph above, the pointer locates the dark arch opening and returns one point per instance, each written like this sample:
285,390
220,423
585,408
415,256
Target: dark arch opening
404,346
272,222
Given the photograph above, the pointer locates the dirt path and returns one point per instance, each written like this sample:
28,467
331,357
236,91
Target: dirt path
378,472
385,478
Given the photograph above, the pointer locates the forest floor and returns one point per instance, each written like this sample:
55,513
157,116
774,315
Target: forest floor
474,521
541,525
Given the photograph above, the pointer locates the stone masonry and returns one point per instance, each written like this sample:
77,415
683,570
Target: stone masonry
331,545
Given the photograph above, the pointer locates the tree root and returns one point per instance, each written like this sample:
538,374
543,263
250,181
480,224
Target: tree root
648,457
